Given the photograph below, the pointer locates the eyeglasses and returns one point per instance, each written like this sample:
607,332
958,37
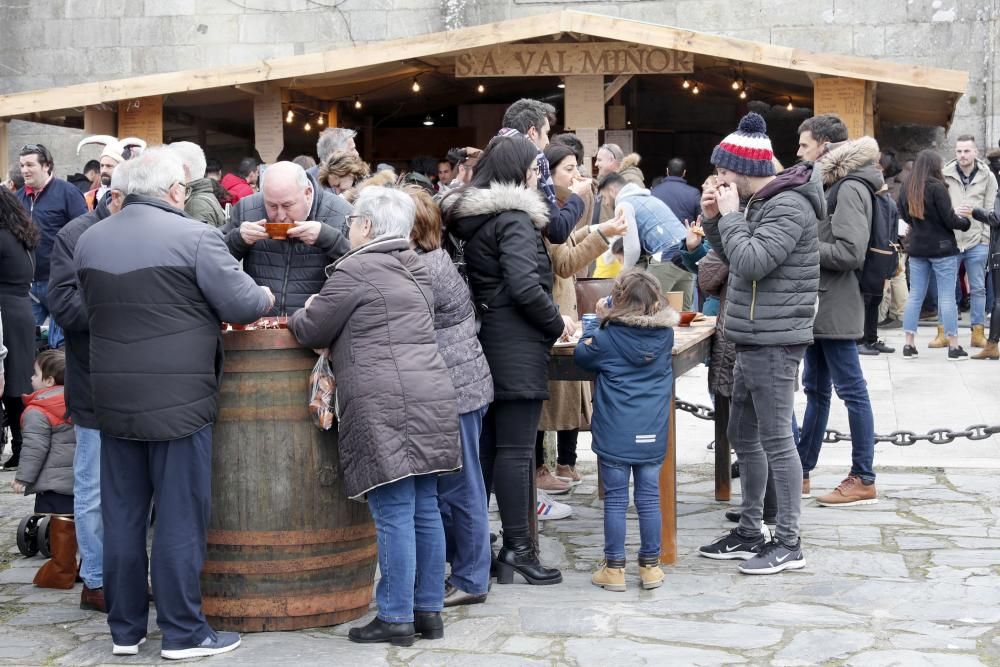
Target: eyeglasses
351,218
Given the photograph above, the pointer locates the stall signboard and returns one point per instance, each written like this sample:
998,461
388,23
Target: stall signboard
592,58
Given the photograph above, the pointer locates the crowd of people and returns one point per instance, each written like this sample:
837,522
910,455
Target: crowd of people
437,294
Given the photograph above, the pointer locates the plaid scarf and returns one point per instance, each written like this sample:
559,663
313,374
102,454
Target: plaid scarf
545,183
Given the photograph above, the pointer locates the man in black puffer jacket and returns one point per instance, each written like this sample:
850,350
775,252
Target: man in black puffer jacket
155,284
294,269
772,250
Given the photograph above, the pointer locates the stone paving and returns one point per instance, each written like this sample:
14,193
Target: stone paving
913,580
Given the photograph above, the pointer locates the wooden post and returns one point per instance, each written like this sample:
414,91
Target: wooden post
333,116
871,118
99,120
723,465
4,150
668,489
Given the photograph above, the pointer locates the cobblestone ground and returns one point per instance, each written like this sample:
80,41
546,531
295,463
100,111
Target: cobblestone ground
913,580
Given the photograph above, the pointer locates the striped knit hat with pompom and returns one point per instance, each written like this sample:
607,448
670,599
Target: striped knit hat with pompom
748,150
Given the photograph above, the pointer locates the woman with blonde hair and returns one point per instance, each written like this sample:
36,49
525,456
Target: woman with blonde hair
342,170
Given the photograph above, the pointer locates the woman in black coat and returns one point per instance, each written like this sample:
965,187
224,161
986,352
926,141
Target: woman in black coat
499,218
18,238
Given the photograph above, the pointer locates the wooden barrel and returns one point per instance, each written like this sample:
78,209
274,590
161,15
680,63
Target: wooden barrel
286,549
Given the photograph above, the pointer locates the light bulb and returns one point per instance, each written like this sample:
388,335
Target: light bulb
428,121
357,101
743,94
307,127
695,90
416,85
736,84
789,107
686,84
480,88
561,84
290,116
319,119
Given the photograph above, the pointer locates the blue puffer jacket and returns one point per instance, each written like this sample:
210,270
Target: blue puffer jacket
50,210
633,359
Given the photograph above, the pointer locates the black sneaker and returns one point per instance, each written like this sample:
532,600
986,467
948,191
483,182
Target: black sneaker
928,315
867,349
775,557
909,351
957,354
733,546
890,323
882,347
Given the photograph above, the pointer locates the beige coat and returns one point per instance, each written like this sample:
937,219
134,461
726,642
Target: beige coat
569,405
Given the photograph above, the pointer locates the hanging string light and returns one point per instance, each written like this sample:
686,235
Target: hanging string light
428,121
790,107
357,101
743,94
290,116
695,90
480,89
319,120
307,127
561,84
416,85
686,84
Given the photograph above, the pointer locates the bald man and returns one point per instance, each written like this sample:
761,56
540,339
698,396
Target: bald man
294,268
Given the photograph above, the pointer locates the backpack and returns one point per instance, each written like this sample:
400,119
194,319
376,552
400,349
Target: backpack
882,256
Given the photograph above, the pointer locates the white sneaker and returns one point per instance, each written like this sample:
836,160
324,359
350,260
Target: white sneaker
548,508
127,649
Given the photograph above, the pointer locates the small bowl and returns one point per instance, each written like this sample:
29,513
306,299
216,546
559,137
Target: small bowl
687,317
278,230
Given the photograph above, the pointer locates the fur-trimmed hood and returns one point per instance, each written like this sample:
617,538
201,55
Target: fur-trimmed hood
496,199
848,157
666,317
630,171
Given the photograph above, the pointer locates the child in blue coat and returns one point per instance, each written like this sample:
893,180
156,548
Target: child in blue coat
631,353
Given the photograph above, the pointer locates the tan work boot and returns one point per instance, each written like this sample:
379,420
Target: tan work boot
978,336
939,340
852,491
650,572
805,489
989,352
611,576
546,482
568,474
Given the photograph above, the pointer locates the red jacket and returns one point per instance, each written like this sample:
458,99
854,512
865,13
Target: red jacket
237,186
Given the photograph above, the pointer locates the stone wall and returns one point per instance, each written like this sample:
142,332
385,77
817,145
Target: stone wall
59,42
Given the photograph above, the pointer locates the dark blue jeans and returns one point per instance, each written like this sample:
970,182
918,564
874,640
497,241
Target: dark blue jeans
614,477
834,364
176,475
410,547
465,512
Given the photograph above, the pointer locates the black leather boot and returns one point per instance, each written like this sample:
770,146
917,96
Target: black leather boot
428,624
518,555
397,634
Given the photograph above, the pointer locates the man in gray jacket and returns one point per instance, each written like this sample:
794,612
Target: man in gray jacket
850,177
772,251
155,285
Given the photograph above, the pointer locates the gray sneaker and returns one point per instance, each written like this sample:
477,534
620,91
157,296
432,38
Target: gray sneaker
775,557
213,644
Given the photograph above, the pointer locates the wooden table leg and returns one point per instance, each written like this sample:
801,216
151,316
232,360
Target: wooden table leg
723,481
668,491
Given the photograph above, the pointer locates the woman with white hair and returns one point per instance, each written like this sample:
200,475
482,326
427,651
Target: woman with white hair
396,406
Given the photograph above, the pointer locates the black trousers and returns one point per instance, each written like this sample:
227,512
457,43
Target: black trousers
13,407
506,453
872,302
565,444
176,475
995,314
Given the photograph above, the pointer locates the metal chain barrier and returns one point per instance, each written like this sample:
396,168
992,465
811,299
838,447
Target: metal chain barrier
935,436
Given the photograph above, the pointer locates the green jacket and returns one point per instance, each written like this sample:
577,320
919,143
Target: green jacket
843,238
201,203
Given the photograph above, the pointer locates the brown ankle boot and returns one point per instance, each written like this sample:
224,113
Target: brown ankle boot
978,336
60,570
990,351
939,340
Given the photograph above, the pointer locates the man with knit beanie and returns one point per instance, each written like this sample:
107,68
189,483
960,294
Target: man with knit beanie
772,251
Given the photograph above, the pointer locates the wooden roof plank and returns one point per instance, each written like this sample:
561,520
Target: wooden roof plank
443,43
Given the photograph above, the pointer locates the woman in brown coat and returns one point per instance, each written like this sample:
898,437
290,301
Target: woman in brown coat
569,404
396,407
